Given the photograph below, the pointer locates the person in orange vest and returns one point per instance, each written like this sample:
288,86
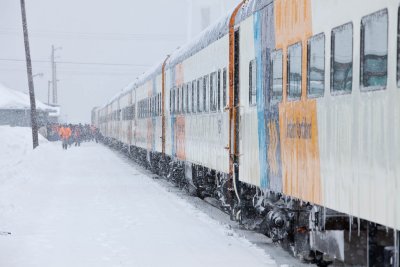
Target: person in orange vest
65,134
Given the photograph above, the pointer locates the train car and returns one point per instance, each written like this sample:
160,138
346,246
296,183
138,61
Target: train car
287,113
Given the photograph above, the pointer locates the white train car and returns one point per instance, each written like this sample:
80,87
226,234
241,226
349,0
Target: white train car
288,113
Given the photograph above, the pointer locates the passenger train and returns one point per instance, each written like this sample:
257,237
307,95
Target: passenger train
287,113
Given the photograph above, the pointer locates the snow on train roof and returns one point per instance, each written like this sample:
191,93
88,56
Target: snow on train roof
140,80
204,39
215,31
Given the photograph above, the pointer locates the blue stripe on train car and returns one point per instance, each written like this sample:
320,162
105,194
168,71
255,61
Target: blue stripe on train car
262,144
274,162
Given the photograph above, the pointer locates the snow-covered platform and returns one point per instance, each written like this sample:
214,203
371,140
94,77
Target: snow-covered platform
90,206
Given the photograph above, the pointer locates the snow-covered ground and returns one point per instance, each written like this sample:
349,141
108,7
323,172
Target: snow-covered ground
88,206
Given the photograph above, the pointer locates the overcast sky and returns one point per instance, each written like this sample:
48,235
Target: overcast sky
132,34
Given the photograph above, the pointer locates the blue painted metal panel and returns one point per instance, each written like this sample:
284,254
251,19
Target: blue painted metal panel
262,140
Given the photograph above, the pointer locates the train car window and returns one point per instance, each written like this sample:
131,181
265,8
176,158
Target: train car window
200,95
316,66
398,48
206,87
183,98
189,97
153,103
156,105
178,99
219,91
173,100
194,96
224,85
183,107
342,59
294,71
374,51
277,76
213,91
159,104
252,83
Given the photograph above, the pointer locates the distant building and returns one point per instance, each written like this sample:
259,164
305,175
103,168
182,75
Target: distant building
15,109
202,13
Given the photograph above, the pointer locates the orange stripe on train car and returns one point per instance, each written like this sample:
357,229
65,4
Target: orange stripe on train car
180,119
298,119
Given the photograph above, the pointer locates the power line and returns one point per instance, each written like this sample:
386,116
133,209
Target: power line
97,36
83,73
78,63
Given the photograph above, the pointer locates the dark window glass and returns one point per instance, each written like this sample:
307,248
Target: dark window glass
206,97
189,97
219,91
184,98
294,71
194,96
213,91
182,102
200,95
277,76
342,59
173,101
252,83
316,66
224,85
178,102
374,51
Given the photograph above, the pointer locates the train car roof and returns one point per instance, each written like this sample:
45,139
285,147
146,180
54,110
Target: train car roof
211,34
215,31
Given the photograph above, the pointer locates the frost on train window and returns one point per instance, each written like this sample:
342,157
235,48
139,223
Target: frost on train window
213,91
206,87
188,97
183,99
374,51
200,95
276,76
342,59
219,91
178,102
224,85
183,110
252,83
316,66
294,71
174,100
194,96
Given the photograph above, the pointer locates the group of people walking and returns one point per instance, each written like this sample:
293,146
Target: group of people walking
75,134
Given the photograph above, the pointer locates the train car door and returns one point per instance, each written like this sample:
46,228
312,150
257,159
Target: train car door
236,105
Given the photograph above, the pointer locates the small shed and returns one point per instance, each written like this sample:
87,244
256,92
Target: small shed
15,109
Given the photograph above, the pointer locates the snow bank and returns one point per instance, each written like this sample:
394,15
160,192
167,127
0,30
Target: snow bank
15,146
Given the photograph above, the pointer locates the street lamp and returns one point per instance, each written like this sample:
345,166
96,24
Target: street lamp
38,75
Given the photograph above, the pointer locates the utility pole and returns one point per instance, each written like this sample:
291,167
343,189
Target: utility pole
48,91
35,137
54,75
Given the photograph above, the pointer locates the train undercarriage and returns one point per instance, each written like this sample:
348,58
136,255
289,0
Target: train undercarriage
311,233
